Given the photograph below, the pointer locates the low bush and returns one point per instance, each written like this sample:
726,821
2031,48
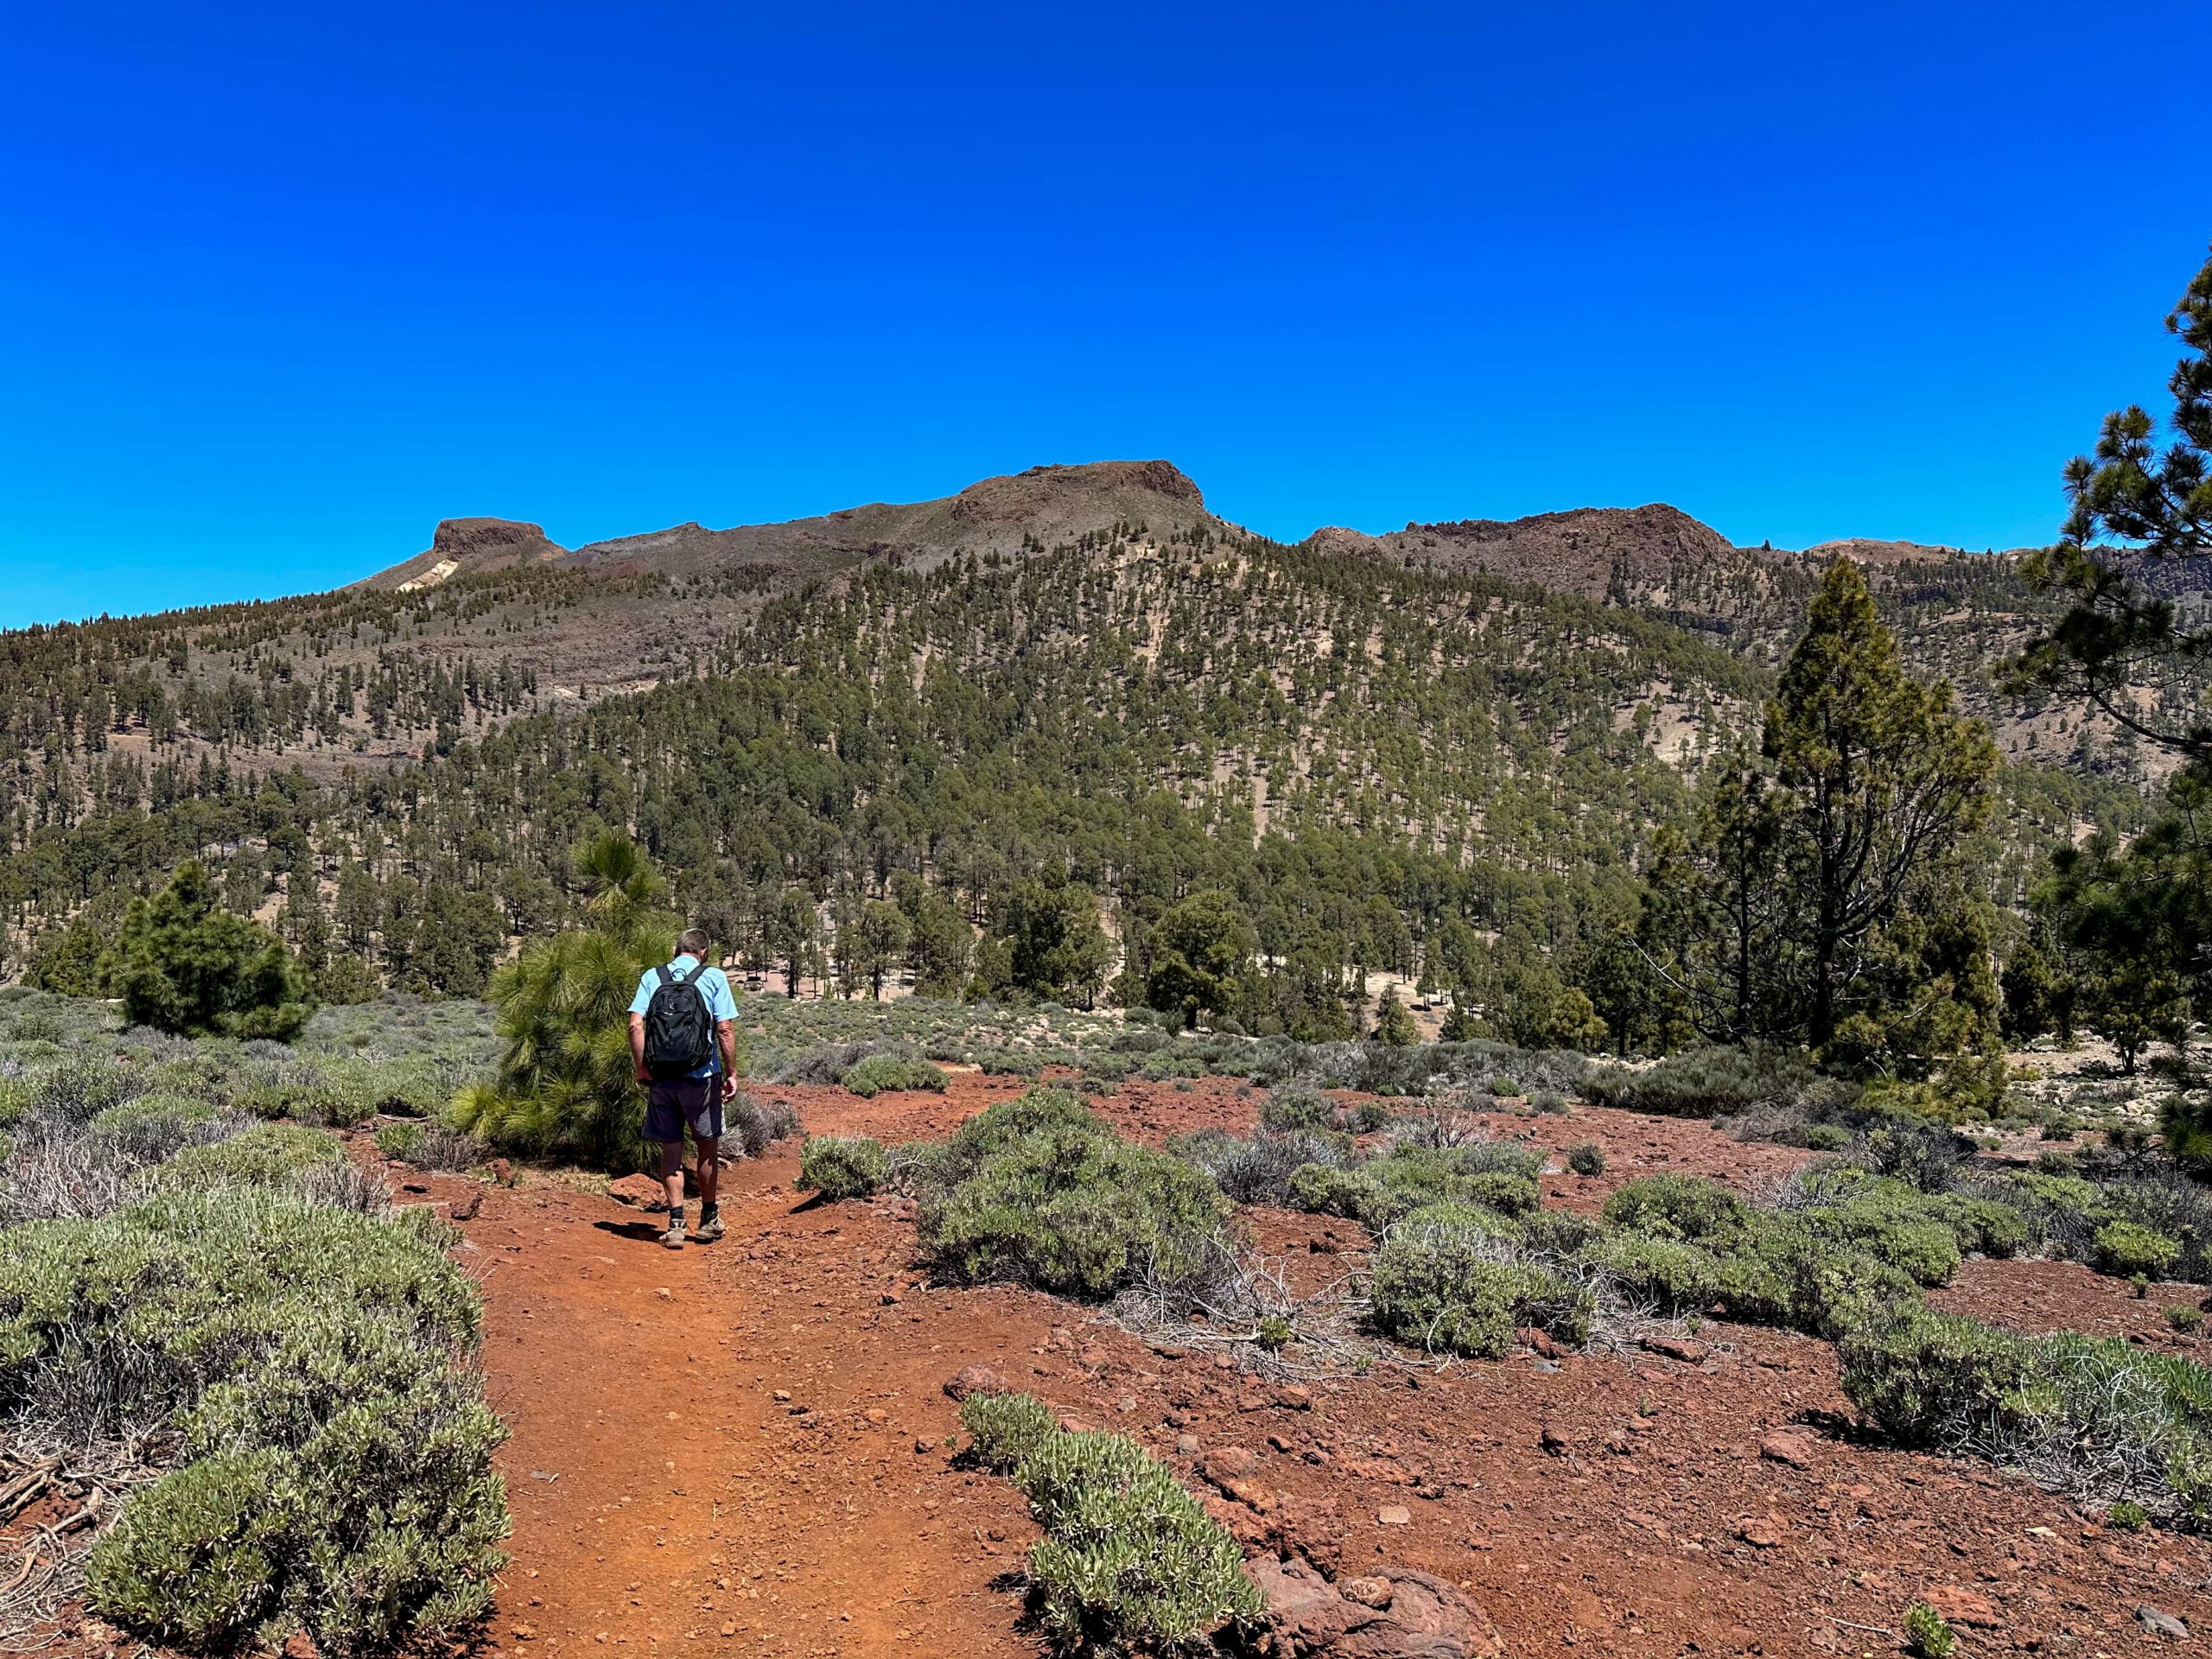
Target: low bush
2128,1248
1167,1064
2184,1319
1130,1562
1006,1427
2094,1417
1587,1159
275,1156
1296,1104
1678,1247
999,1127
1561,1233
1676,1277
1827,1137
756,1127
1044,1195
1890,1224
882,1074
1498,1174
842,1167
1793,1276
1105,1066
1448,1280
1258,1171
1700,1082
1686,1207
335,1470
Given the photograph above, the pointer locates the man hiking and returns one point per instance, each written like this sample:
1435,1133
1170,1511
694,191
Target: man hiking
681,1016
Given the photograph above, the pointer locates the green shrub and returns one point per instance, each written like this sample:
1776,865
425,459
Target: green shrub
1927,1634
881,1074
1827,1137
2094,1416
336,1473
2186,1319
1296,1105
2128,1248
1167,1064
1776,1269
1587,1159
162,1109
1332,1190
190,1560
1988,1227
1679,1278
1794,1276
1700,1083
1499,1174
842,1167
181,964
998,1127
1503,1088
1077,1211
269,1155
1447,1280
1926,1251
1558,1232
1366,1116
1925,1377
1006,1427
399,1140
1103,1066
2128,1515
1129,1561
1687,1207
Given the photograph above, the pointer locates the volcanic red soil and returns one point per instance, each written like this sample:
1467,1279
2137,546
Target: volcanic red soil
746,1448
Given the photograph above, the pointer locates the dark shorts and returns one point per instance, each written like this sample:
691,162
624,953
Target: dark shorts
674,1105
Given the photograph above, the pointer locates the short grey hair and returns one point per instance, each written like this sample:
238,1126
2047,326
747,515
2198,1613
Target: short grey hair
694,943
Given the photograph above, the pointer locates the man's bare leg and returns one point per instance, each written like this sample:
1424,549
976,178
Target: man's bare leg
671,1181
710,1170
710,1174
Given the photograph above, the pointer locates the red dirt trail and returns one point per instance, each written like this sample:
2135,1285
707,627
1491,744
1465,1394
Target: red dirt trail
1595,1504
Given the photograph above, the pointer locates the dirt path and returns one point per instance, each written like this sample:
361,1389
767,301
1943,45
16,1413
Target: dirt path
692,1509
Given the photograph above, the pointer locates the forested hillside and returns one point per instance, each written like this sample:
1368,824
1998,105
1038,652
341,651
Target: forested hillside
988,740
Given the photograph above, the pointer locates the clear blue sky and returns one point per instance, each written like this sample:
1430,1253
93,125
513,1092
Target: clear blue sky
284,285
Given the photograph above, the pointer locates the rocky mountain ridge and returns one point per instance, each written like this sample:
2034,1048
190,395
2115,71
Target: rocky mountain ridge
1626,555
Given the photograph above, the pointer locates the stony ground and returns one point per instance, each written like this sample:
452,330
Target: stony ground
746,1448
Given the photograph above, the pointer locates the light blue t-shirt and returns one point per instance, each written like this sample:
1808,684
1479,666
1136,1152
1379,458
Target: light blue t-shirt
713,984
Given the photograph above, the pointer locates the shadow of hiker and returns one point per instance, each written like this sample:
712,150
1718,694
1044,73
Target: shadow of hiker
645,1232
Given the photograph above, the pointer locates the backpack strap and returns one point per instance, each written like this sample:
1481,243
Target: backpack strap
666,978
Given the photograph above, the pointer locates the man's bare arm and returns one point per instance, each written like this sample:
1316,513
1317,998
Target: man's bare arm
726,1034
638,1047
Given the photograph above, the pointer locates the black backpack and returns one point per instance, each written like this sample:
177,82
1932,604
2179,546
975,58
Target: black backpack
679,1029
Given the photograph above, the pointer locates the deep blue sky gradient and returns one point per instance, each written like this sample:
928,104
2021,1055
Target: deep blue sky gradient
283,286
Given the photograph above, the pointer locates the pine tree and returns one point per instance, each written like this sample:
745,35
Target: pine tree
1804,872
2139,518
1200,950
181,963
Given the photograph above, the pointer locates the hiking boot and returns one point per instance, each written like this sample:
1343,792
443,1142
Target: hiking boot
709,1228
673,1238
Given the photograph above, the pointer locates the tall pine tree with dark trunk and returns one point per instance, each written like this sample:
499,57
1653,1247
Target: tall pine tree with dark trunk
1883,778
